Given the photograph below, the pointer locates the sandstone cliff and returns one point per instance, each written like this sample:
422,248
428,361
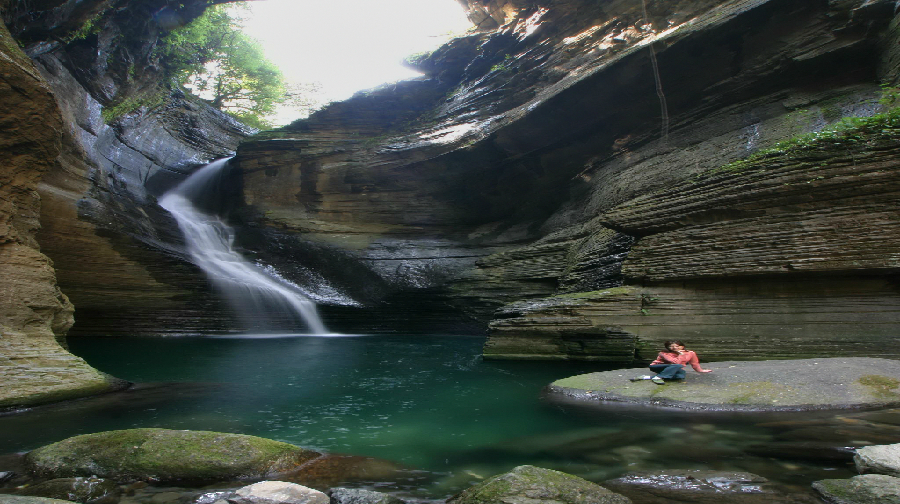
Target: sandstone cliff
91,137
574,146
126,138
35,314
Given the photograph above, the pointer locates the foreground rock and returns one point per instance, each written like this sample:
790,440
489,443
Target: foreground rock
277,492
700,487
881,459
533,485
864,489
18,499
361,496
166,455
767,385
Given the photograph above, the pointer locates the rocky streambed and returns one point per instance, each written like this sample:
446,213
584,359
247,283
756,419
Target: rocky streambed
156,466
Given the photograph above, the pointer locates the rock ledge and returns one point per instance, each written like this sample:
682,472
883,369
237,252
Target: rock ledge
808,384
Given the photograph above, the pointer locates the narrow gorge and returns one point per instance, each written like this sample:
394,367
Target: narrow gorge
579,180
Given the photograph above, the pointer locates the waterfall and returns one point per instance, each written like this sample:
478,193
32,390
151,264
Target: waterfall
210,242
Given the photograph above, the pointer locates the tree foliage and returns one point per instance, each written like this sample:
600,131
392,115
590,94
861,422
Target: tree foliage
213,58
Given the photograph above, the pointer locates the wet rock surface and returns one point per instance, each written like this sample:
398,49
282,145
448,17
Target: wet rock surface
361,496
702,487
21,499
863,489
166,455
833,383
529,484
90,490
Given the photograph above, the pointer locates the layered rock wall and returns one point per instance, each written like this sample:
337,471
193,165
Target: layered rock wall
34,313
82,184
580,147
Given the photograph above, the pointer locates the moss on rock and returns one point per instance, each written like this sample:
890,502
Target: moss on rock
166,455
831,383
533,485
864,489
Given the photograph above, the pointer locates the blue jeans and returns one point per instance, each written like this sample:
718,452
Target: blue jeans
669,371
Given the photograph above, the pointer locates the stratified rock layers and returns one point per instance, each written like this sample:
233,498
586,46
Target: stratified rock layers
791,253
34,313
582,165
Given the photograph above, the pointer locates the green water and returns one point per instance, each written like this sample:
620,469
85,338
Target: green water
428,403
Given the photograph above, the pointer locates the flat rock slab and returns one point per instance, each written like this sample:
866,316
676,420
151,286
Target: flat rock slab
807,384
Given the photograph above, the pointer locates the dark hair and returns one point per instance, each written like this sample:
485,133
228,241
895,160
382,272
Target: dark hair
672,342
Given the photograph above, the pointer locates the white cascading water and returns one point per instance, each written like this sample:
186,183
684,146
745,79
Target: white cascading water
210,244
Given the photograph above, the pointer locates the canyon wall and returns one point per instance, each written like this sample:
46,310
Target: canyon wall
91,137
572,179
34,367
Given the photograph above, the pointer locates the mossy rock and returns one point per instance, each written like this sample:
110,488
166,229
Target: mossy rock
864,489
166,455
534,485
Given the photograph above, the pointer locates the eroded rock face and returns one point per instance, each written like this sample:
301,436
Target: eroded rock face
34,313
546,163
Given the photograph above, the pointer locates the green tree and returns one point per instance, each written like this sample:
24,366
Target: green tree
214,59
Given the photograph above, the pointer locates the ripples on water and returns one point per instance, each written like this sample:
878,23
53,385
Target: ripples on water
430,404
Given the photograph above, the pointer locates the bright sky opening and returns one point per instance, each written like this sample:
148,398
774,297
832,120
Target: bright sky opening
349,45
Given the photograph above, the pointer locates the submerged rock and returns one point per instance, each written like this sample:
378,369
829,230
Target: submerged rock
166,455
864,489
361,496
20,499
758,386
534,485
697,486
333,470
88,490
881,459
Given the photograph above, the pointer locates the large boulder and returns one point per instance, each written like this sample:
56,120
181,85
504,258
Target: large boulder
166,455
534,485
881,459
863,489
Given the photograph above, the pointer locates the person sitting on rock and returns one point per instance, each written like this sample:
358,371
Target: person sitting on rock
669,365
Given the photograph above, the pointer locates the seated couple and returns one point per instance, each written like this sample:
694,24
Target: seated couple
669,365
